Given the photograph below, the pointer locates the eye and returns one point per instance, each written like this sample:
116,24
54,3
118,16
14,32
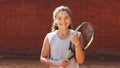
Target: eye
66,17
58,18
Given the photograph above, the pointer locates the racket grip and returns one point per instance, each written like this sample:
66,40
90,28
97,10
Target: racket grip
61,67
67,54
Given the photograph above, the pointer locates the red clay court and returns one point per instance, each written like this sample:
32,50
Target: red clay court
34,63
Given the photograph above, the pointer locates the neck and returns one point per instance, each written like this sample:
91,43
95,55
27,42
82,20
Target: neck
63,33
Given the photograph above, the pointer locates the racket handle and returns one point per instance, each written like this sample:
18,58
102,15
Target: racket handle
61,67
67,55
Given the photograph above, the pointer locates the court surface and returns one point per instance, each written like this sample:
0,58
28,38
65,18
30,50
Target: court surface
34,63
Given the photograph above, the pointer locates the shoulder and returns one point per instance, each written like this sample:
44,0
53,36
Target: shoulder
51,34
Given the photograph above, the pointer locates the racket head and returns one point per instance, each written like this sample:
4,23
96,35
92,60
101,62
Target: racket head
86,38
87,34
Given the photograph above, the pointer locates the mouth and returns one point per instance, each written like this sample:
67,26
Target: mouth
64,24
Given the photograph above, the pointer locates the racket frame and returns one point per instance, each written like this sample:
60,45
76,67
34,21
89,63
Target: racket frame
90,41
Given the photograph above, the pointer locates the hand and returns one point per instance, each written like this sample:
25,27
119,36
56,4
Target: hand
75,39
62,63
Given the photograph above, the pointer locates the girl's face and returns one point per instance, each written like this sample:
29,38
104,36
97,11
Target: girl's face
63,20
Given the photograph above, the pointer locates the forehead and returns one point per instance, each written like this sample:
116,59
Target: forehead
63,13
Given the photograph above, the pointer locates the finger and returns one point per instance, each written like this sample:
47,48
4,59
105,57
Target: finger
66,60
64,64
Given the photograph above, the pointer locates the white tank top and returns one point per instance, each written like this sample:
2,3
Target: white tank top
59,47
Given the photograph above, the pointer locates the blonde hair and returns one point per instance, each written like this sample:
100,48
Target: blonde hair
56,11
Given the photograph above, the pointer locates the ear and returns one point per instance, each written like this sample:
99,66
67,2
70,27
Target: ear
70,22
70,26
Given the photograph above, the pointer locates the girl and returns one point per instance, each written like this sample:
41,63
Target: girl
56,43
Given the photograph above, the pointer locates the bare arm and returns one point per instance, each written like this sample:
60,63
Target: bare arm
79,53
45,53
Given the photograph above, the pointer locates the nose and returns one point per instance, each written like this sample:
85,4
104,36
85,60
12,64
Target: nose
63,21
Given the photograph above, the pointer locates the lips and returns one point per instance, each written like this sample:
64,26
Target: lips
63,24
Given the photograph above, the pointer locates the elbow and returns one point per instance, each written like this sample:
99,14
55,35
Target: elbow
81,61
41,61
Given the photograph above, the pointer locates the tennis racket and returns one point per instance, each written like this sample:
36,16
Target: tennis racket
87,35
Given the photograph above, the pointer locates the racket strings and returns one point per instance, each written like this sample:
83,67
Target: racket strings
87,32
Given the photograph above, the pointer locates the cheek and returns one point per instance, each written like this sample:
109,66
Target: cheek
69,22
57,22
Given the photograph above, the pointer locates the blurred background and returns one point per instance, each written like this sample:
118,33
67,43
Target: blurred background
25,23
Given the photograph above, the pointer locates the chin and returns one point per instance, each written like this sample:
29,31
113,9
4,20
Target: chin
65,28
